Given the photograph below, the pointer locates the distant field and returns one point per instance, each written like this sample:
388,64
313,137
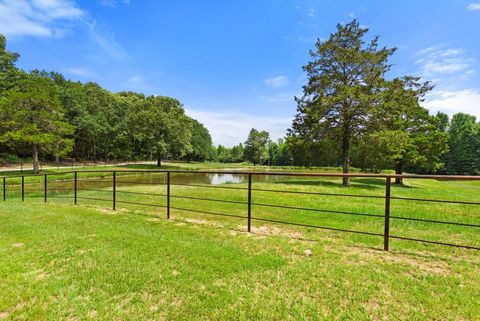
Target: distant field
65,262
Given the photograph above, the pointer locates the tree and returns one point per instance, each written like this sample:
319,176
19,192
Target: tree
9,74
159,126
464,143
33,116
402,132
201,142
345,79
256,146
442,122
238,153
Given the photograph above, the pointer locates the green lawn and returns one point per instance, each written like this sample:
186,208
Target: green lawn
61,262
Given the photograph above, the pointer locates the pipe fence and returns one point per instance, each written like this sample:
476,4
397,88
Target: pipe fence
76,182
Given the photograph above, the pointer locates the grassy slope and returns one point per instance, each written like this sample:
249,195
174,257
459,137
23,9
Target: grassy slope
61,262
65,262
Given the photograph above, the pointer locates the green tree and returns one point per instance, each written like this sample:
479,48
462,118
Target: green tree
442,122
256,146
9,74
345,79
159,125
32,116
403,132
201,142
464,143
238,153
279,153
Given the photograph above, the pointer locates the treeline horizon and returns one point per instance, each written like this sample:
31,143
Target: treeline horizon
348,115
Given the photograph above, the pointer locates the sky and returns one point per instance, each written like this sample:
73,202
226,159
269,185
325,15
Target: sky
237,64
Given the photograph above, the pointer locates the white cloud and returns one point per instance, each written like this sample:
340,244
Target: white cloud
79,71
107,41
231,127
311,12
451,102
40,18
276,82
113,3
474,6
435,60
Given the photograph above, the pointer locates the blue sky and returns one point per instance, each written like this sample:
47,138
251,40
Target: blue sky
237,64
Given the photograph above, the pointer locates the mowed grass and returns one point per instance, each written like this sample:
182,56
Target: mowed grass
65,262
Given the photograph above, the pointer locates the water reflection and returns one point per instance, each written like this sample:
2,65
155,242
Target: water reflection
217,179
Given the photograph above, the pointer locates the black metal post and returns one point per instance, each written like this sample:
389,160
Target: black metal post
23,188
168,195
386,234
75,188
45,188
249,228
114,189
4,189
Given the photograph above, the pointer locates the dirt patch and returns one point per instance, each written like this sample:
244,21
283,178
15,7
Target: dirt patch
17,245
203,222
418,264
275,231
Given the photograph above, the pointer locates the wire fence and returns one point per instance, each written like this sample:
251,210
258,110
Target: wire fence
252,192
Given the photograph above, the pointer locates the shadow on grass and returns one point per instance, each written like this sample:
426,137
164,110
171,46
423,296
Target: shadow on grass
328,183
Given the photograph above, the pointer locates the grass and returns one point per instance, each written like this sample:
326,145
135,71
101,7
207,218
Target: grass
61,262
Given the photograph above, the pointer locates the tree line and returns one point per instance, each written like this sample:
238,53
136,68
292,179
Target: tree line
350,114
42,114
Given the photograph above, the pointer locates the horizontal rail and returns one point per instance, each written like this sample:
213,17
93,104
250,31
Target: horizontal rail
140,193
211,186
207,212
140,183
106,180
93,198
318,227
316,210
433,221
143,204
433,200
94,190
209,199
434,242
317,193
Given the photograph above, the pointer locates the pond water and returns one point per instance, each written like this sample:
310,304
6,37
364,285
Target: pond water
181,178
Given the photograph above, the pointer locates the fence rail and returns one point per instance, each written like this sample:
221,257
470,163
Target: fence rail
249,203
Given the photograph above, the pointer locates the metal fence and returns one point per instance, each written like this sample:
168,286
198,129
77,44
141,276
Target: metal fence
117,177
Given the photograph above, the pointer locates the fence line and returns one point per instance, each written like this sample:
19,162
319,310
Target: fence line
249,203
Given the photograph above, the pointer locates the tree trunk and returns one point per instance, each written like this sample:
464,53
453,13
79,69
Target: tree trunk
399,171
36,164
159,161
346,159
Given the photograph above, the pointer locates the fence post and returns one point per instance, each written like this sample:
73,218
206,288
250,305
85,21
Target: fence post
45,188
168,195
114,189
386,233
23,188
4,189
249,227
75,188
